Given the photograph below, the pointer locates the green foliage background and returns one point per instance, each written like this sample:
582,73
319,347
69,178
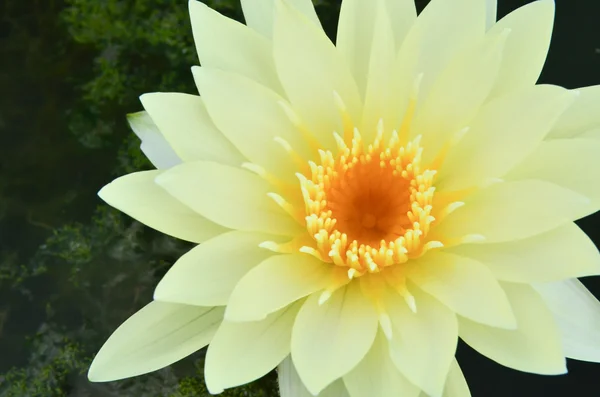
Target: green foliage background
71,268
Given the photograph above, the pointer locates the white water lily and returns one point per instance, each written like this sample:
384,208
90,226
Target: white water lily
359,207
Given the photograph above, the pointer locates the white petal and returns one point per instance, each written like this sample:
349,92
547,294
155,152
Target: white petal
185,124
578,170
141,198
154,145
207,274
495,214
328,340
533,347
464,285
527,45
259,14
356,25
505,131
156,336
225,44
581,116
423,343
376,375
577,313
290,384
229,196
564,252
275,283
311,70
242,352
258,120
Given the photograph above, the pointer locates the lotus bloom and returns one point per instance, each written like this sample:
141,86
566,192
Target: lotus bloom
358,207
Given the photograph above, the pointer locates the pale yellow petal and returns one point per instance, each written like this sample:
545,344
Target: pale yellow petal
185,124
534,346
458,93
225,44
312,71
259,14
138,196
356,25
275,283
465,285
207,274
379,76
577,314
376,375
242,352
491,10
495,214
444,29
581,116
527,45
156,336
505,131
154,145
229,196
564,252
328,340
257,120
456,384
578,168
290,384
423,342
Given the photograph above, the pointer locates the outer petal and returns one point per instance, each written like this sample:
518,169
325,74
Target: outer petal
154,145
423,343
378,96
242,352
290,384
275,283
491,9
458,93
456,384
527,45
259,14
139,197
311,70
577,313
534,347
328,340
465,286
504,132
185,124
580,117
238,199
578,168
258,119
376,375
225,44
356,25
561,253
156,336
207,274
495,214
434,40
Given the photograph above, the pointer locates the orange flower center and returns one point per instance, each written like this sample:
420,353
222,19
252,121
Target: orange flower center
369,207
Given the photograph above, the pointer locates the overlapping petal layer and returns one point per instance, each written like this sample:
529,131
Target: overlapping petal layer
442,110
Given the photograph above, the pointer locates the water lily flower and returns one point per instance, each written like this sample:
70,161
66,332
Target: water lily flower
358,207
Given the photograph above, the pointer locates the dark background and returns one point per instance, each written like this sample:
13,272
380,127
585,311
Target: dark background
71,268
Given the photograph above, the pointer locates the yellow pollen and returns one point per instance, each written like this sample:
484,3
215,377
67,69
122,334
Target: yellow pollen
368,207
